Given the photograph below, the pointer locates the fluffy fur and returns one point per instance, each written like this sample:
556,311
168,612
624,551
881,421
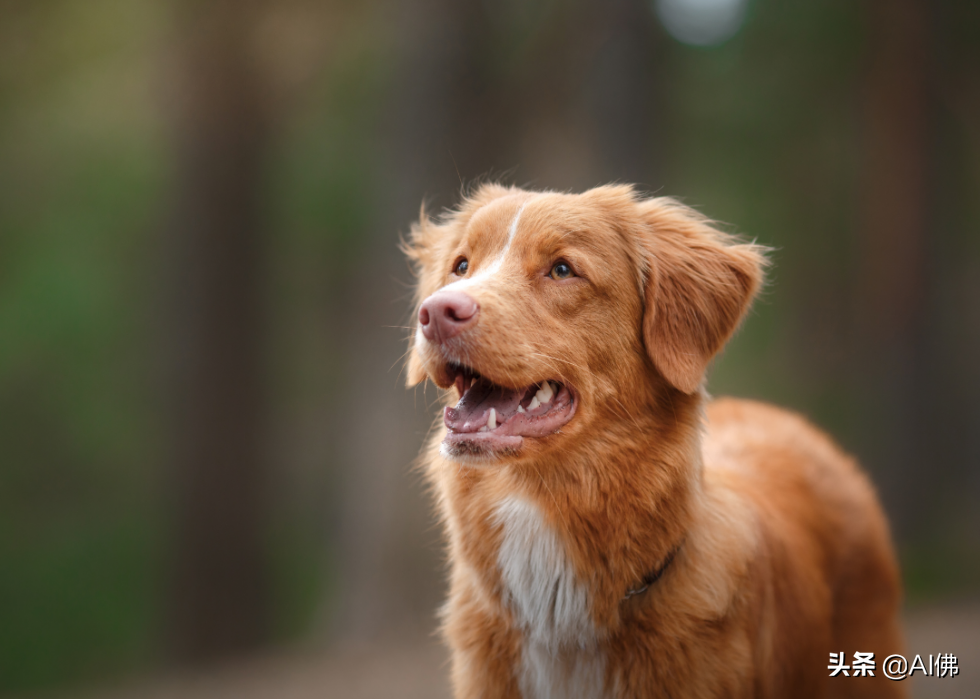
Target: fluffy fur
782,552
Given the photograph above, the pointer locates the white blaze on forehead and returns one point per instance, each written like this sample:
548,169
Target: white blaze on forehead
495,265
513,230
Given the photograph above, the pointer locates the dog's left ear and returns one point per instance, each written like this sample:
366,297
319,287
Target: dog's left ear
700,282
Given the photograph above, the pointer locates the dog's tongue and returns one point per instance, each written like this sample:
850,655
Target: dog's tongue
471,413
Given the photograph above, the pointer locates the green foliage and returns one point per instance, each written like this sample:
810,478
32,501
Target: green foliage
80,186
79,599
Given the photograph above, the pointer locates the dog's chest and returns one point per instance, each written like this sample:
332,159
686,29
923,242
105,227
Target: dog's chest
560,653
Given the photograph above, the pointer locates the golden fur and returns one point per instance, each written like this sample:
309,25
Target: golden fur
782,552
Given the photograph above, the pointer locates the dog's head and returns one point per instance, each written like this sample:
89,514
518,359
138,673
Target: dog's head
550,313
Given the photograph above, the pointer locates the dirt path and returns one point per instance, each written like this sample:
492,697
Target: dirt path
408,669
415,668
953,630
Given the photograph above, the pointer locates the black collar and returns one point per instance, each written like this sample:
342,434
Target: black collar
654,575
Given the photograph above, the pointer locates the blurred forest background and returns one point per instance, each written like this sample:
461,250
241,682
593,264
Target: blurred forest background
205,442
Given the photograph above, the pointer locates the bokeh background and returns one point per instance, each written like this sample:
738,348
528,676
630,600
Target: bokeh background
205,441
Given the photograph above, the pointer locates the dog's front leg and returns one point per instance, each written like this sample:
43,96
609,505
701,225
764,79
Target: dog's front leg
486,652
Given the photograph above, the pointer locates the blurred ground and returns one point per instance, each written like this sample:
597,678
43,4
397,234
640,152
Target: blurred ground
953,630
415,667
404,668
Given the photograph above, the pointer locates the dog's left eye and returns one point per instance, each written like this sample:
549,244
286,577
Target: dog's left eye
561,270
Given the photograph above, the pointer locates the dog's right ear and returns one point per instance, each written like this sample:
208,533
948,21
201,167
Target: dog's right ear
423,248
700,282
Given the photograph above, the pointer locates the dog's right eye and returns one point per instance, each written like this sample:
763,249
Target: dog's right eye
561,270
461,267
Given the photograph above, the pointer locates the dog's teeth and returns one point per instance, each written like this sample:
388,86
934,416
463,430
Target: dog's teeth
520,408
492,420
544,393
472,381
534,403
483,429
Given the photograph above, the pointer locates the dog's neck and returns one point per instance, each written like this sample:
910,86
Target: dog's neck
629,488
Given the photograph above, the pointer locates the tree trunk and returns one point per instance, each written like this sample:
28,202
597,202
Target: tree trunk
892,288
219,599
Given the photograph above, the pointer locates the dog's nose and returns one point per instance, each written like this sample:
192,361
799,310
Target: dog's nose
446,314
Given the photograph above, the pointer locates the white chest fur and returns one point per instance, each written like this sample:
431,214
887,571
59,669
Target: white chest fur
560,656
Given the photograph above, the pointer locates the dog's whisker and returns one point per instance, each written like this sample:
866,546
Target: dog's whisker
401,358
628,414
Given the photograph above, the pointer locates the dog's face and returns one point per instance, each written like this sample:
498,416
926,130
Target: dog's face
551,313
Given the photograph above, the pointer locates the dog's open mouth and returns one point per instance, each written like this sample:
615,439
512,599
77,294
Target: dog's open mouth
493,419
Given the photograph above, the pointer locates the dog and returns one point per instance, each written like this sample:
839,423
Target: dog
612,532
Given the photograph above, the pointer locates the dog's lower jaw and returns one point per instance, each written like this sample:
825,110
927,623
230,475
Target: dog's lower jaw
471,453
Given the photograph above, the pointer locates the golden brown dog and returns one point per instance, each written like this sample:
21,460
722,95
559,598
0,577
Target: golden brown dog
610,533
